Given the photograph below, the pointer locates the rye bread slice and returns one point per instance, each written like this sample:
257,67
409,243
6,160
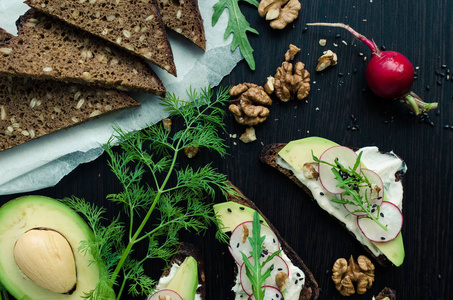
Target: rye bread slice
47,48
131,24
311,289
183,16
185,250
33,108
269,156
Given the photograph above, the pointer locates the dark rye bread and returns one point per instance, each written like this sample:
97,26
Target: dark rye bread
269,156
186,250
183,16
311,289
135,25
47,48
32,108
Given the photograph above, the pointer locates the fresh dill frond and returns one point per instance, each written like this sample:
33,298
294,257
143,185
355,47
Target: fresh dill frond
159,197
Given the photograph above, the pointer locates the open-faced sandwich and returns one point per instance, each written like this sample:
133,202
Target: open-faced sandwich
362,189
254,241
184,278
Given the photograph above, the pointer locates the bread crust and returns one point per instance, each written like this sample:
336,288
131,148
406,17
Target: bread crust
311,289
269,156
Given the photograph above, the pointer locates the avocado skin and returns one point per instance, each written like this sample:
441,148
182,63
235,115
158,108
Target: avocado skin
22,214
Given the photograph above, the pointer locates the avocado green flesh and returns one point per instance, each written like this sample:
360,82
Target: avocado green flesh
297,153
231,214
185,280
25,213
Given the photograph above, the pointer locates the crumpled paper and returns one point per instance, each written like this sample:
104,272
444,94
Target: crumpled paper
45,161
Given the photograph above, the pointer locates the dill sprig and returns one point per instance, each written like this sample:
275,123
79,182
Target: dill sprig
350,180
159,209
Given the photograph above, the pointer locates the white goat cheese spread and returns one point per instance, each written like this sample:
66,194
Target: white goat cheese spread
165,280
386,165
294,284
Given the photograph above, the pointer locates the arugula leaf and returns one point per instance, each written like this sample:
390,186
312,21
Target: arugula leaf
255,271
144,164
237,26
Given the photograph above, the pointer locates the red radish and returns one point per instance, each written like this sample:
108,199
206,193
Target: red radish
389,74
238,244
390,216
345,156
166,292
374,194
279,265
270,293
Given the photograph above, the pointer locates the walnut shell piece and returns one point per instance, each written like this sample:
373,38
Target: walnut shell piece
290,86
351,277
248,108
280,12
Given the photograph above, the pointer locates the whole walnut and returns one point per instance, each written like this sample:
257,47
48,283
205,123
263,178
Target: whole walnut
290,86
248,108
279,12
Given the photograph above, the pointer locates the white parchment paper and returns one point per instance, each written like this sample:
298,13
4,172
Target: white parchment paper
43,162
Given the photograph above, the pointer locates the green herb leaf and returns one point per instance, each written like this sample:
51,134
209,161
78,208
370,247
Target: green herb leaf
175,205
255,271
237,26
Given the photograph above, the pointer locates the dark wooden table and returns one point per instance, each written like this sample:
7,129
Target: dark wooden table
421,30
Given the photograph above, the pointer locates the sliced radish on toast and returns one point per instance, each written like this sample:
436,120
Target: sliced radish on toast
165,294
270,293
390,216
239,241
374,193
343,155
277,265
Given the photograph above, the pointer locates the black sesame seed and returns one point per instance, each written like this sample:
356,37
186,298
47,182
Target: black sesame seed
277,296
279,269
431,124
448,71
272,268
241,208
229,209
340,74
298,274
439,276
381,214
374,205
296,282
439,82
273,240
383,47
373,210
237,246
338,36
446,126
438,112
442,74
443,66
320,290
451,127
354,71
261,221
379,198
382,238
305,29
428,87
327,271
416,73
321,193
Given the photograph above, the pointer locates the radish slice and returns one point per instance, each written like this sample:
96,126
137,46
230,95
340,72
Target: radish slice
270,293
390,216
166,294
237,244
279,266
375,193
345,156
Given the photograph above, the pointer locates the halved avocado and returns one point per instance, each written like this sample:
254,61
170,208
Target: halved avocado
185,281
231,214
37,213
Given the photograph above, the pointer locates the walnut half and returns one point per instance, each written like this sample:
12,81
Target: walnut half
289,85
279,12
248,108
350,277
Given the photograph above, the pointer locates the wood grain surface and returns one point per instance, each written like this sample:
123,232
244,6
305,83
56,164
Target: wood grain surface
422,31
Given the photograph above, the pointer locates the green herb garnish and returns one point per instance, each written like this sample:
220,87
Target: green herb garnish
351,181
146,165
255,271
238,26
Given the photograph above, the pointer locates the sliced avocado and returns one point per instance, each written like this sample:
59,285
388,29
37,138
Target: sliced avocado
29,213
297,153
231,214
185,281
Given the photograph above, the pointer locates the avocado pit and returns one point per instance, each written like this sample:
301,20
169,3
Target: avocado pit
46,258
